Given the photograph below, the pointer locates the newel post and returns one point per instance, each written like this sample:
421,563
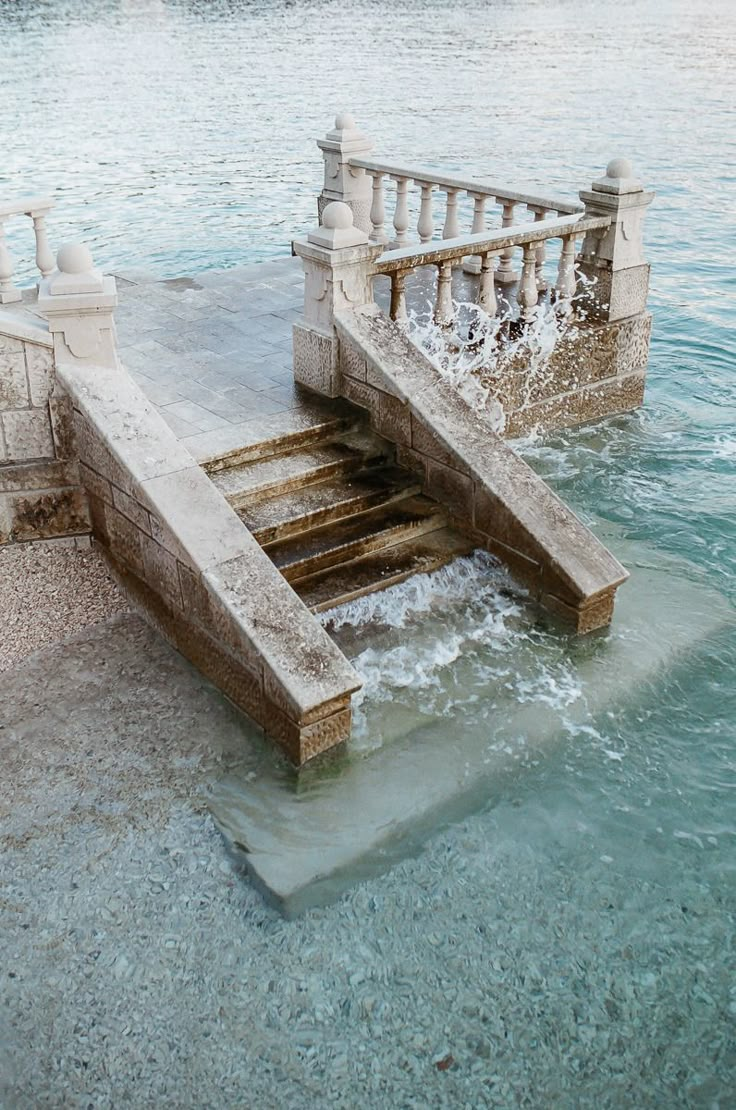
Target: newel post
337,258
342,182
78,302
614,274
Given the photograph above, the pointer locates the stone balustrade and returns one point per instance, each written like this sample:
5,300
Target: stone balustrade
362,182
448,253
36,209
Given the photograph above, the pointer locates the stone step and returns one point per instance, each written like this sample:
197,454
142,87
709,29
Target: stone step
343,540
275,518
273,435
276,474
377,570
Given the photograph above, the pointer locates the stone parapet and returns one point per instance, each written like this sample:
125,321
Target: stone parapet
467,466
189,562
594,370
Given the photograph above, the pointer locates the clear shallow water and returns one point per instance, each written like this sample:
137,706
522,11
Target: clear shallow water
583,925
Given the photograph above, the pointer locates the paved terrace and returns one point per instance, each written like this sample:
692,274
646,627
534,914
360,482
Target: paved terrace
213,353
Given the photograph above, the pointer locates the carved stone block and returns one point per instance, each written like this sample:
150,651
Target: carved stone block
27,434
610,295
315,360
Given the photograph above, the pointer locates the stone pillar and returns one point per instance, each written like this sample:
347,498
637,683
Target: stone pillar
351,186
337,260
78,301
614,275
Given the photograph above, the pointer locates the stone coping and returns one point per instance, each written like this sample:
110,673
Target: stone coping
18,323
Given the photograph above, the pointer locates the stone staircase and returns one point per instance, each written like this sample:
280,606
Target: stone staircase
334,512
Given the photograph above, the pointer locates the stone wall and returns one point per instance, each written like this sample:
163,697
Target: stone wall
189,562
467,466
594,370
40,492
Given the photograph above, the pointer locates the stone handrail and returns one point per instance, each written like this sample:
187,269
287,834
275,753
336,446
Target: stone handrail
446,253
36,208
450,184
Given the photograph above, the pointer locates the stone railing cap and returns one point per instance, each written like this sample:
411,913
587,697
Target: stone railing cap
618,178
337,228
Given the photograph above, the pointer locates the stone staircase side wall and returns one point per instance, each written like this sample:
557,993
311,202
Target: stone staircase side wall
41,496
468,467
189,562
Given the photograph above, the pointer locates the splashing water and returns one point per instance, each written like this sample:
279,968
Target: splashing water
477,350
461,640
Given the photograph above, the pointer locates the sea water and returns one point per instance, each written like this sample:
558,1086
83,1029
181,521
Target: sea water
582,944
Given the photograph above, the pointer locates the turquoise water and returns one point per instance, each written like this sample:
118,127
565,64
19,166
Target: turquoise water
584,923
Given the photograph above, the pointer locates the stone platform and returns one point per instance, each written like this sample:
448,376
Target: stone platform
213,353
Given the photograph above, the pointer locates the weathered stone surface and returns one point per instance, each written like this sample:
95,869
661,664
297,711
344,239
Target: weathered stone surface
202,578
200,527
27,434
612,395
584,354
315,360
40,366
40,474
612,294
61,413
393,419
160,570
451,488
13,383
43,514
126,424
302,659
359,393
131,508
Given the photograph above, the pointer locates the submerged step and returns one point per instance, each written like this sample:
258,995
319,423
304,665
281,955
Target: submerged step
279,473
275,518
305,843
334,543
377,570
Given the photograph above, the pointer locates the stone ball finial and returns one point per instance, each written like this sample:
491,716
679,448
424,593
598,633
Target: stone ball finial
337,216
619,167
74,258
344,122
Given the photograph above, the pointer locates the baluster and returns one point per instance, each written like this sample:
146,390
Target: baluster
527,295
443,312
472,264
8,292
398,295
565,287
505,274
451,230
487,289
425,223
401,214
44,258
378,211
539,214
